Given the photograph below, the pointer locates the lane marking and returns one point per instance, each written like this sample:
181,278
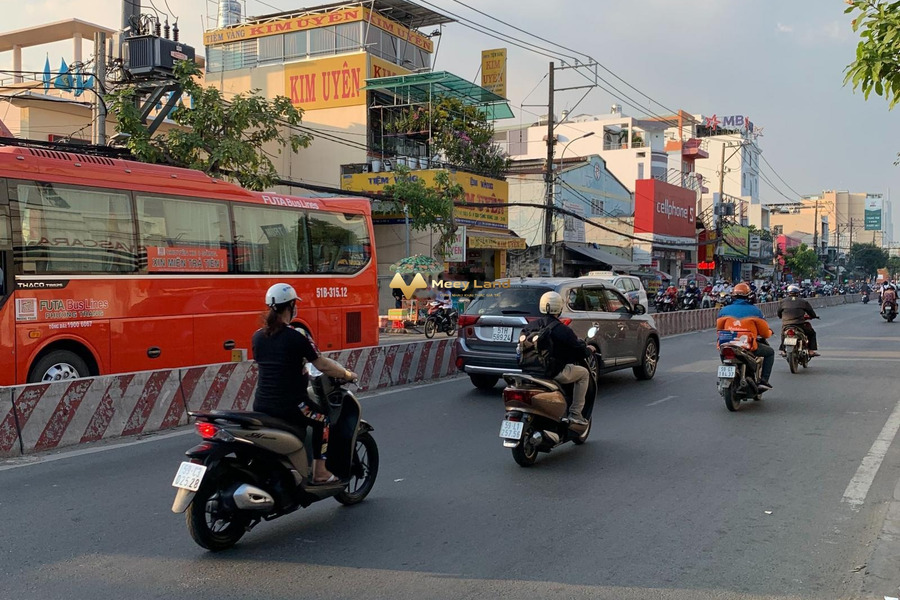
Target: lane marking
858,488
31,460
666,399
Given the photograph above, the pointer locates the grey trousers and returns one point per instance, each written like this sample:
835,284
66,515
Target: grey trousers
579,376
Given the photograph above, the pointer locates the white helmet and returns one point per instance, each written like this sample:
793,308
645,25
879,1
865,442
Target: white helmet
793,289
280,293
551,304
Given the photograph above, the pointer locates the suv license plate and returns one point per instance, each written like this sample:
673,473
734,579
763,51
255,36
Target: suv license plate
501,334
727,371
790,341
511,430
189,476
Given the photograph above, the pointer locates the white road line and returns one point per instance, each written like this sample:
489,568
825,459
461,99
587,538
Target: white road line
858,489
666,399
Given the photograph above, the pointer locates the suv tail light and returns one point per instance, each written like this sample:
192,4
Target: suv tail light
467,320
566,322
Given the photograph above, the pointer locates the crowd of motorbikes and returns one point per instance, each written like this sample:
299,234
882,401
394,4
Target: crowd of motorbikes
672,299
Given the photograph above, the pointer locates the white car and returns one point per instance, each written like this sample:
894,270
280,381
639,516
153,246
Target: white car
630,286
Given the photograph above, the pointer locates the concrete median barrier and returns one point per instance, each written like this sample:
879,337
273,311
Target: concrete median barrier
47,416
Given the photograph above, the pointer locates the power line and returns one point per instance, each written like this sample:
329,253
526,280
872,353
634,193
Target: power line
777,175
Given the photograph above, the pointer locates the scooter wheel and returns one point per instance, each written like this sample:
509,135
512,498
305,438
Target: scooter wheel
209,528
365,465
525,453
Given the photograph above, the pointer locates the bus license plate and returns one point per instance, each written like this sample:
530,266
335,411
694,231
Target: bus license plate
189,476
501,334
511,430
790,341
727,371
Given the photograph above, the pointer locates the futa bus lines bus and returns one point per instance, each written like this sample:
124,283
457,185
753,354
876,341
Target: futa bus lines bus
113,266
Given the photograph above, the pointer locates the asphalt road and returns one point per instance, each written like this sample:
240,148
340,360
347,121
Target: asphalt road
673,497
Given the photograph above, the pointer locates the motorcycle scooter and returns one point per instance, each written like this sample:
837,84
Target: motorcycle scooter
252,467
740,373
796,350
536,409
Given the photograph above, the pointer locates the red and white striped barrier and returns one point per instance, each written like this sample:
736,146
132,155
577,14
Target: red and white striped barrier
53,415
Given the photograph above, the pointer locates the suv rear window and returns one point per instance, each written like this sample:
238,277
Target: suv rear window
507,301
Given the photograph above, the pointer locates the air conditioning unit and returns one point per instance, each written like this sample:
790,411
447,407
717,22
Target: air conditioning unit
153,55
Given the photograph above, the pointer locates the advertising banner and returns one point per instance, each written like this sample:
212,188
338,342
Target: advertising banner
873,214
305,22
381,68
493,71
664,209
478,189
736,241
326,82
487,242
186,260
573,228
457,253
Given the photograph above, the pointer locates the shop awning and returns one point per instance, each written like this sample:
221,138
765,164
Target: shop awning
500,240
601,256
421,88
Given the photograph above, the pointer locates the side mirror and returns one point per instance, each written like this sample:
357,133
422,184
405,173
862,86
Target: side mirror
639,309
592,332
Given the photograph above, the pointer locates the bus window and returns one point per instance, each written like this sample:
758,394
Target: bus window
270,240
339,242
67,229
187,236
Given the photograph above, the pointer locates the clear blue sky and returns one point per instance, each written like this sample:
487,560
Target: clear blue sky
781,63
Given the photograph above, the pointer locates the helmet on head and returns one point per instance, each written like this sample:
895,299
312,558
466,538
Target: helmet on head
280,294
551,304
793,290
692,283
741,290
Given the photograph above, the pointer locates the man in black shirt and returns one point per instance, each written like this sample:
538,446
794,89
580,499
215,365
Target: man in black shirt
793,311
281,352
569,350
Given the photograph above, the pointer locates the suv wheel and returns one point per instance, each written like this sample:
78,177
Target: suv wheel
649,361
484,382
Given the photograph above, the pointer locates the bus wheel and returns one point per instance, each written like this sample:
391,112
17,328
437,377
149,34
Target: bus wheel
59,365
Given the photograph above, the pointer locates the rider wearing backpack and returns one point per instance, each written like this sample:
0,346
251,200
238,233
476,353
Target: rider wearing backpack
558,349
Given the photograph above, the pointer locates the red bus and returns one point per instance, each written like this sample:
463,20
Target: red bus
113,266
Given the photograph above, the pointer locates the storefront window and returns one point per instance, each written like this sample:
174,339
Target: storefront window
321,41
295,44
271,48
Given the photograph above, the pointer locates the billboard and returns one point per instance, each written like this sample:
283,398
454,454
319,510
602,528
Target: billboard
493,71
873,214
736,241
573,227
326,82
661,208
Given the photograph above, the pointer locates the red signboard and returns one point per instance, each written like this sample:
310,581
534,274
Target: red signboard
664,209
186,260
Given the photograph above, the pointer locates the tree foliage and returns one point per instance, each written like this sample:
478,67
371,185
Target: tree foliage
221,138
893,266
802,261
428,208
877,64
868,258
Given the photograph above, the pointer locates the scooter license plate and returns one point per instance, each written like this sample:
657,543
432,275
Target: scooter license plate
727,371
189,476
790,341
511,430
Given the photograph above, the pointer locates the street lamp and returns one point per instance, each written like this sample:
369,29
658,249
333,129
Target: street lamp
566,147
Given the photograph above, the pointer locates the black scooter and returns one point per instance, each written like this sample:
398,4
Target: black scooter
252,467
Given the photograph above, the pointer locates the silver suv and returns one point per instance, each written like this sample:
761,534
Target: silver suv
489,328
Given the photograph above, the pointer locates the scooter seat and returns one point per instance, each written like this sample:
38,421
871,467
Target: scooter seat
522,378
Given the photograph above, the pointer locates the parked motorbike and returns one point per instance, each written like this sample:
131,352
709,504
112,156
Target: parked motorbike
796,350
536,408
441,318
889,311
252,467
740,373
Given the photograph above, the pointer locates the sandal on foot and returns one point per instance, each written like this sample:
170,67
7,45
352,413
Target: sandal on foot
332,479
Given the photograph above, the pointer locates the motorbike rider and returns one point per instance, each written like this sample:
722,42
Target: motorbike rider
793,311
889,296
692,290
751,319
719,287
569,350
281,352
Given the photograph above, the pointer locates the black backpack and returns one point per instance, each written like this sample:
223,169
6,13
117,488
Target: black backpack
536,355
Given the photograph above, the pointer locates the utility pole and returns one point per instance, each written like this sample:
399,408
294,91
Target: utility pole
98,132
851,234
816,230
718,216
548,175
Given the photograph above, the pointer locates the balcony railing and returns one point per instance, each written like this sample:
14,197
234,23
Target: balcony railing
623,145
